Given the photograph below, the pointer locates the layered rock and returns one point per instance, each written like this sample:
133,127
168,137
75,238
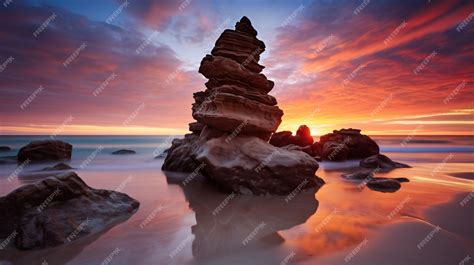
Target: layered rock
235,119
46,150
249,165
302,138
345,144
58,210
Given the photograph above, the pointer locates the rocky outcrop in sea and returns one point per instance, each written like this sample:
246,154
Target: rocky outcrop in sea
235,118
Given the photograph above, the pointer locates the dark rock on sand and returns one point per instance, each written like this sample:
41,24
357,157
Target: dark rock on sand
4,148
124,152
381,161
302,138
59,166
383,184
45,150
60,209
178,157
360,174
249,165
345,144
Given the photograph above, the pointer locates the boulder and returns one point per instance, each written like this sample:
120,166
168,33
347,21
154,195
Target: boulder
360,174
124,152
178,157
46,150
345,144
249,165
381,161
302,138
60,209
59,166
4,148
383,185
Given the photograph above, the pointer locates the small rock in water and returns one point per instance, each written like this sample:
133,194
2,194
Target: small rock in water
59,166
383,185
4,148
381,161
124,152
45,150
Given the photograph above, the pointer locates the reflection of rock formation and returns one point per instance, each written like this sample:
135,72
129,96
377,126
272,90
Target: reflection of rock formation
235,119
225,222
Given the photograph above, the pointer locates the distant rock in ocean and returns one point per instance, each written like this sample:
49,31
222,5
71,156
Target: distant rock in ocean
235,119
302,138
45,150
58,166
4,148
345,144
124,152
381,161
60,209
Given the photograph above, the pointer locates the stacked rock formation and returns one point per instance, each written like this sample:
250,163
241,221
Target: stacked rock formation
235,118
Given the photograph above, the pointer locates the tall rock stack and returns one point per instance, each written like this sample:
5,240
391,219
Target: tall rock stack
235,119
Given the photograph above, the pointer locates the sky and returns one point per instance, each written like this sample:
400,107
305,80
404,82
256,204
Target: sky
130,67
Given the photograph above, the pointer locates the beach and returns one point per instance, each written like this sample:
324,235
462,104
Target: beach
184,219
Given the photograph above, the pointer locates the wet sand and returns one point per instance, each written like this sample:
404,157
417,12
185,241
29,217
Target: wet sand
198,224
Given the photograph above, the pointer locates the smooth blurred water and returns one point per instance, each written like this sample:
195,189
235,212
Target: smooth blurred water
319,228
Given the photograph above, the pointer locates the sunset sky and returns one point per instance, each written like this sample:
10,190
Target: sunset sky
130,67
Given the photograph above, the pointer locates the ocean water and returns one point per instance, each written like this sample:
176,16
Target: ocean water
342,222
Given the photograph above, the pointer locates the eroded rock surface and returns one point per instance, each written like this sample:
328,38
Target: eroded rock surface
46,150
345,144
235,119
249,165
60,209
381,161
